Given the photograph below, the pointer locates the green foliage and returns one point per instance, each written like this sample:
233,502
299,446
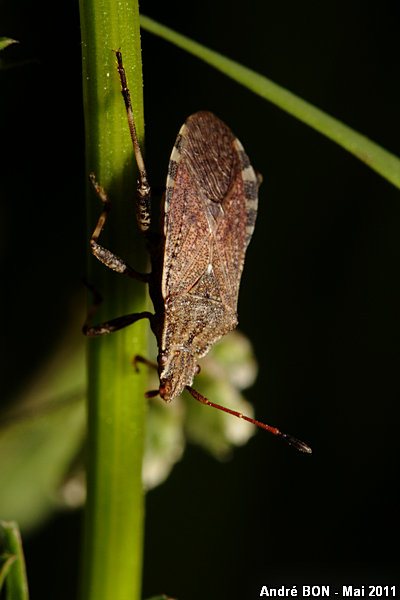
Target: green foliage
41,439
12,567
374,156
42,433
5,41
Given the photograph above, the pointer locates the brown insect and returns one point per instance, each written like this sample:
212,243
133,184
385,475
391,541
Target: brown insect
197,261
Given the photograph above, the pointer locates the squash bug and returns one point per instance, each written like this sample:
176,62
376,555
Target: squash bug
210,208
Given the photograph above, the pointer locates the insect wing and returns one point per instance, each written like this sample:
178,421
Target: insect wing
210,211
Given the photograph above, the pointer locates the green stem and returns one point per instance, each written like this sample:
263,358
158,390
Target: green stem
113,543
377,158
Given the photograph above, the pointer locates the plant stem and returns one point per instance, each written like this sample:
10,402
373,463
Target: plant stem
374,156
113,536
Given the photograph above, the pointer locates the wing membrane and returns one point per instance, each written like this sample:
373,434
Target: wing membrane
210,209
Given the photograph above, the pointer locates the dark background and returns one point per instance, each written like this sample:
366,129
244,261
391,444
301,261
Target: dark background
319,297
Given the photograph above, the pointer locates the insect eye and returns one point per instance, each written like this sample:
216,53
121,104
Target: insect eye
197,369
162,359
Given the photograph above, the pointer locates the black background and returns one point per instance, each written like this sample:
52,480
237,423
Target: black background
319,296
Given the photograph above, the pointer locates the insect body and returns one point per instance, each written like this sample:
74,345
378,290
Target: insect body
210,209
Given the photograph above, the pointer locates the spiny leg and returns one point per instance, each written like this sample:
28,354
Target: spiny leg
288,438
111,260
97,300
145,361
114,324
143,202
108,326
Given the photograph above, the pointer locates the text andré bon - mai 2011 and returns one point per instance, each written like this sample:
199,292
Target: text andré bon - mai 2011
328,591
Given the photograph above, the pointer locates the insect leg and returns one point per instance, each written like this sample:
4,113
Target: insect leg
108,326
152,394
143,202
141,359
145,361
105,256
114,324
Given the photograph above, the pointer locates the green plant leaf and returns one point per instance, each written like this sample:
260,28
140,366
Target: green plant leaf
374,156
5,41
42,433
7,560
41,438
36,453
14,567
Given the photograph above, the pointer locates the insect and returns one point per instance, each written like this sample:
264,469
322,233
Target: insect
197,260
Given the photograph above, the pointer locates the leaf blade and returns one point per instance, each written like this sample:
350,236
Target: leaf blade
370,153
5,41
15,575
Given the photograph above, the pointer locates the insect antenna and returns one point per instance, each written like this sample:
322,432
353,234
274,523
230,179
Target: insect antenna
288,438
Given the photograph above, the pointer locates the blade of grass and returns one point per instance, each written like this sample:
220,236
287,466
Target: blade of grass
14,567
5,41
8,559
114,515
377,158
